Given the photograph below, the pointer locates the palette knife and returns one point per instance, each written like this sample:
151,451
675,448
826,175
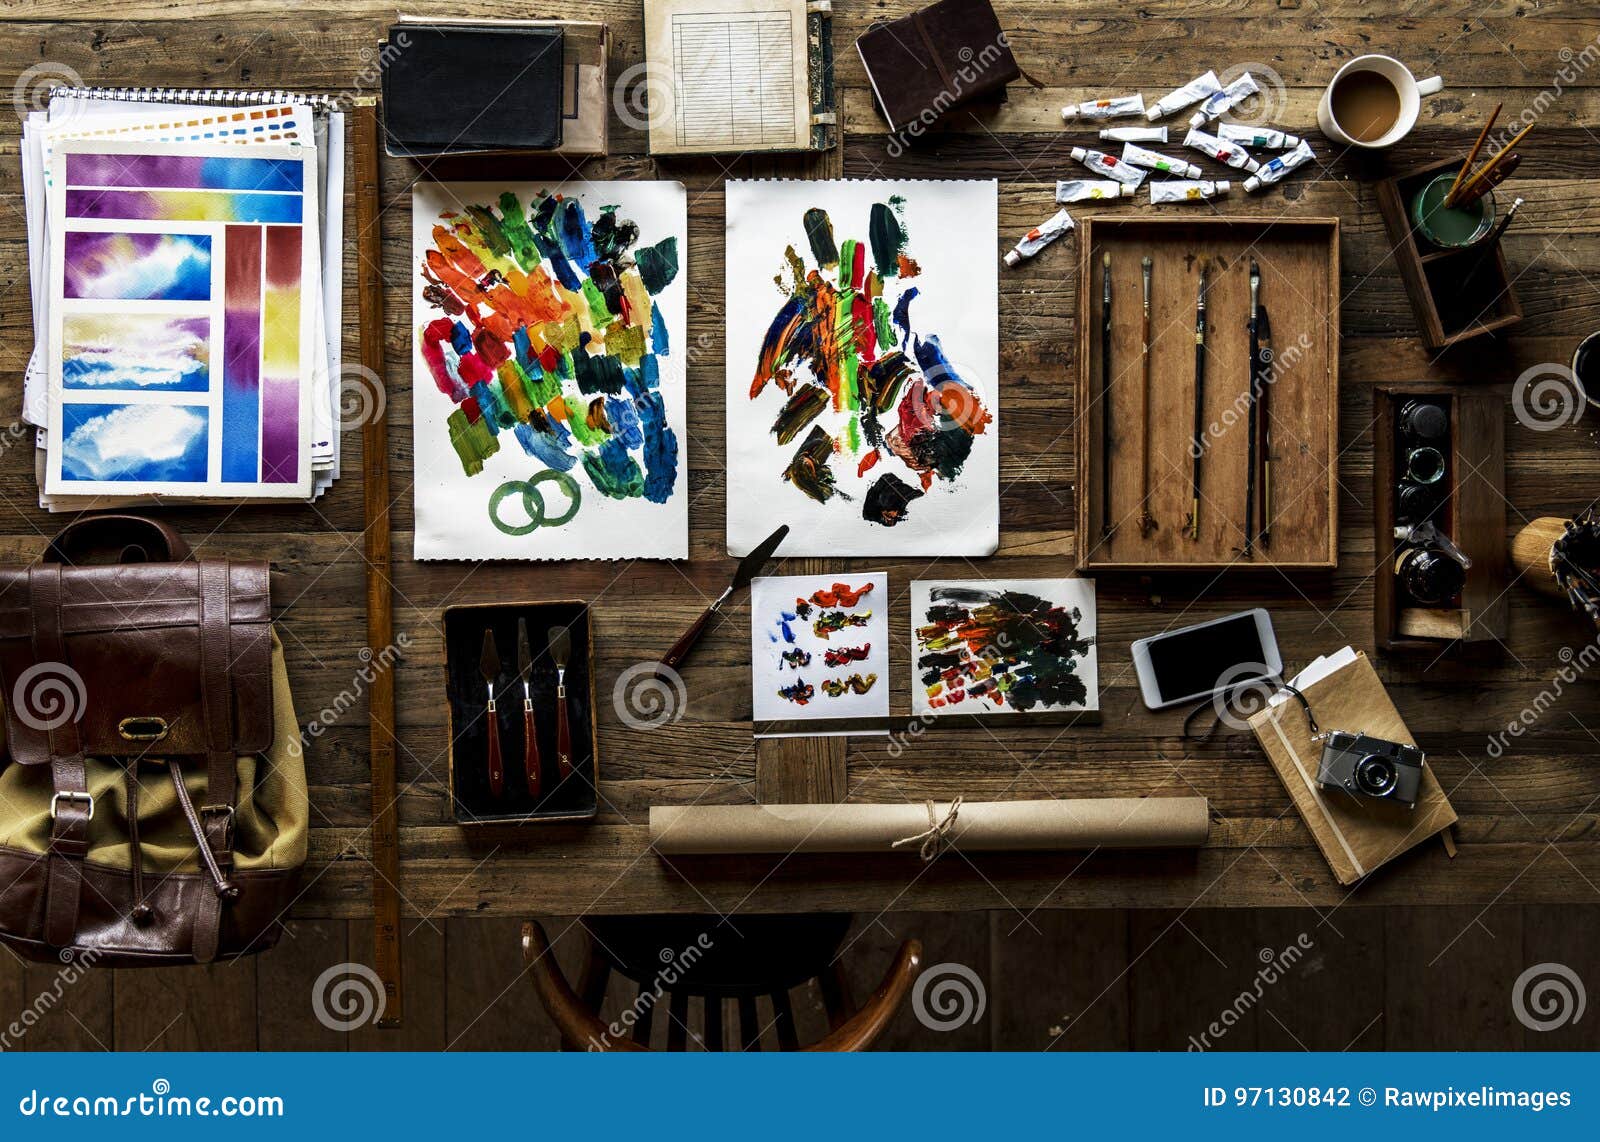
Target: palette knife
530,739
561,654
489,667
749,567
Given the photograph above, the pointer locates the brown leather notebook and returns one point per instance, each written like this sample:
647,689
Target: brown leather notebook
926,64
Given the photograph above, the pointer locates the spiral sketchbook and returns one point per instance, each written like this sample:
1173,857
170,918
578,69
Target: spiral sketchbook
185,253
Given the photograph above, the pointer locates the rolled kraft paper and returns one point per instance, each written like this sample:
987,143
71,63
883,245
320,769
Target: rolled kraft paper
1530,554
982,826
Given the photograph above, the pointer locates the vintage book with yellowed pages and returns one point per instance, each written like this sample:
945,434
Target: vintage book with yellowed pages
738,75
1356,835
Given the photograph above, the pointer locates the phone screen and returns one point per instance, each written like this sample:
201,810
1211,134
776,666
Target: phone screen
1193,662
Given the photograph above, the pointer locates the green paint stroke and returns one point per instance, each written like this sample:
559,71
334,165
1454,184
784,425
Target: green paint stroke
472,439
819,232
599,312
518,233
620,484
658,264
888,239
494,237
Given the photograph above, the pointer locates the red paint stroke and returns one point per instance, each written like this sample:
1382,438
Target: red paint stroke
841,595
868,462
845,655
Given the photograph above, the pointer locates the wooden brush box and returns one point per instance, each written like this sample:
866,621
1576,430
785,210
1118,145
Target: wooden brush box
1471,514
1446,313
1299,260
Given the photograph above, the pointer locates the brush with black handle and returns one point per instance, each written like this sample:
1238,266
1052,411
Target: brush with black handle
1250,414
1196,445
1105,397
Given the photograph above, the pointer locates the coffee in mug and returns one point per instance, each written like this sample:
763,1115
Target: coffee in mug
1366,104
1372,102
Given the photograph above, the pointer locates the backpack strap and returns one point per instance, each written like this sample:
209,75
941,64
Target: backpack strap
71,808
215,816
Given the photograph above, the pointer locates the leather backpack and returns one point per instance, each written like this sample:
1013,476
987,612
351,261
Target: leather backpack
153,805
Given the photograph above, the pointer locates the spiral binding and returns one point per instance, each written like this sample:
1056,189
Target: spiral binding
199,96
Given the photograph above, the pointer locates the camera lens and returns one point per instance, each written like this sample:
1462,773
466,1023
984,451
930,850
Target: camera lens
1424,465
1375,776
1423,420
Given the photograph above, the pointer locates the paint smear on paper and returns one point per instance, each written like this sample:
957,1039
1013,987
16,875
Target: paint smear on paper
138,352
799,692
855,684
1001,647
830,622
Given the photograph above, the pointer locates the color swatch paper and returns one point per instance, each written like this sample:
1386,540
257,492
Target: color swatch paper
819,654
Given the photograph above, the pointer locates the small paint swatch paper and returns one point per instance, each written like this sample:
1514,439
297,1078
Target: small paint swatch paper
819,654
1004,647
863,367
548,370
184,313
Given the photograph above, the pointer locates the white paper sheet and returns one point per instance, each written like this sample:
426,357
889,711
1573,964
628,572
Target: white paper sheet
1003,646
805,617
935,448
650,518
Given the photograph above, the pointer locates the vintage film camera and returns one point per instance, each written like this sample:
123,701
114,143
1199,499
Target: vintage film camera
1371,767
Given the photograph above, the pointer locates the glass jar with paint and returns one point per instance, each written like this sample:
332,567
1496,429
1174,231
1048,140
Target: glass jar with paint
1450,227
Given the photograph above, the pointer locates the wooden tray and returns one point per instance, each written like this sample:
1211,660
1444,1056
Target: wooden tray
1474,517
1299,259
1431,275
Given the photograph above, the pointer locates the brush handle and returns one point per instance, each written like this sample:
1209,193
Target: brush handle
497,769
563,733
530,750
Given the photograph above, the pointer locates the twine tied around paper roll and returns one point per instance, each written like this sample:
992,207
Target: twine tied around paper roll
933,838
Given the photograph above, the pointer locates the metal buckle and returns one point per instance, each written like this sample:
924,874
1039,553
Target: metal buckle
226,811
81,797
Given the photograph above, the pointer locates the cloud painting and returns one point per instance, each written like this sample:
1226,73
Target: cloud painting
154,443
146,351
137,267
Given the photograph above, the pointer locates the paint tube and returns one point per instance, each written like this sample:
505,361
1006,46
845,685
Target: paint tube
1083,189
1192,92
1183,190
1229,154
1134,134
1229,96
1040,237
1102,163
1139,157
1278,166
1105,108
1264,137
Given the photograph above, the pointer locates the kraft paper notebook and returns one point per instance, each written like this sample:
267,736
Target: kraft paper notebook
1356,836
736,75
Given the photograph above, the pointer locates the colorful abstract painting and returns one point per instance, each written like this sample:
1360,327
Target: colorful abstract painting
549,378
1003,646
862,367
185,285
819,653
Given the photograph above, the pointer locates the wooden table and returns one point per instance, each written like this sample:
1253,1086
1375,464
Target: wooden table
1528,819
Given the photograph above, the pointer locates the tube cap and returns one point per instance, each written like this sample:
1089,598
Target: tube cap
1012,257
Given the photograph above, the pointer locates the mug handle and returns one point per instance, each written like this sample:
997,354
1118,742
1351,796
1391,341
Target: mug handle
1430,86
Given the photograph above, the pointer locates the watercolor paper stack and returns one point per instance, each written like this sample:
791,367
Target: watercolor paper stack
819,654
862,367
548,370
184,318
146,383
1004,648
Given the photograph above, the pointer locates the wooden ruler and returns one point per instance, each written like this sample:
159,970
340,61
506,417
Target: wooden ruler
380,601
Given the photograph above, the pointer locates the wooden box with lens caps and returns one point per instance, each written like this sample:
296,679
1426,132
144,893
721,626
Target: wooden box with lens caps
1299,261
1438,455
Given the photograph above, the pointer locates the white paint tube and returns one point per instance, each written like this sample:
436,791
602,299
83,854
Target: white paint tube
1084,189
1264,137
1228,154
1276,167
1190,93
1229,96
1104,164
1134,134
1105,108
1139,157
1183,190
1040,237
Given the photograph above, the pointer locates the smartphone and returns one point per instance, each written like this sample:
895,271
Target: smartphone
1195,662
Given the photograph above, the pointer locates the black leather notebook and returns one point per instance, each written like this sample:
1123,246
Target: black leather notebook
457,88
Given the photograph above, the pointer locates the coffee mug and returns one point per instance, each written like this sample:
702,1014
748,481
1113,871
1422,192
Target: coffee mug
1407,87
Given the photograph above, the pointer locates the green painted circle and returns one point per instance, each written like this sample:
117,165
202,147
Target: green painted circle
510,488
565,482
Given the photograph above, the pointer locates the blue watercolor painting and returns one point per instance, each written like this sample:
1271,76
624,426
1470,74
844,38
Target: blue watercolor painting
148,352
137,267
144,443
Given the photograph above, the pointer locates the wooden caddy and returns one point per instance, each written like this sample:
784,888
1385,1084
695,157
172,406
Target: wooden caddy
1429,274
1475,520
1299,259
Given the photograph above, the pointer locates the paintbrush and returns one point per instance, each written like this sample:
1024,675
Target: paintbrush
1450,195
1487,248
1199,405
1264,372
1488,181
1146,520
1105,396
1250,406
1488,167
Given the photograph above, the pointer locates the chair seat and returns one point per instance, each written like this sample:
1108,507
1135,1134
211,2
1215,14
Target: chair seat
712,955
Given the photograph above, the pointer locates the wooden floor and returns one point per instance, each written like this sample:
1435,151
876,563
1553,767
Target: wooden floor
1434,976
